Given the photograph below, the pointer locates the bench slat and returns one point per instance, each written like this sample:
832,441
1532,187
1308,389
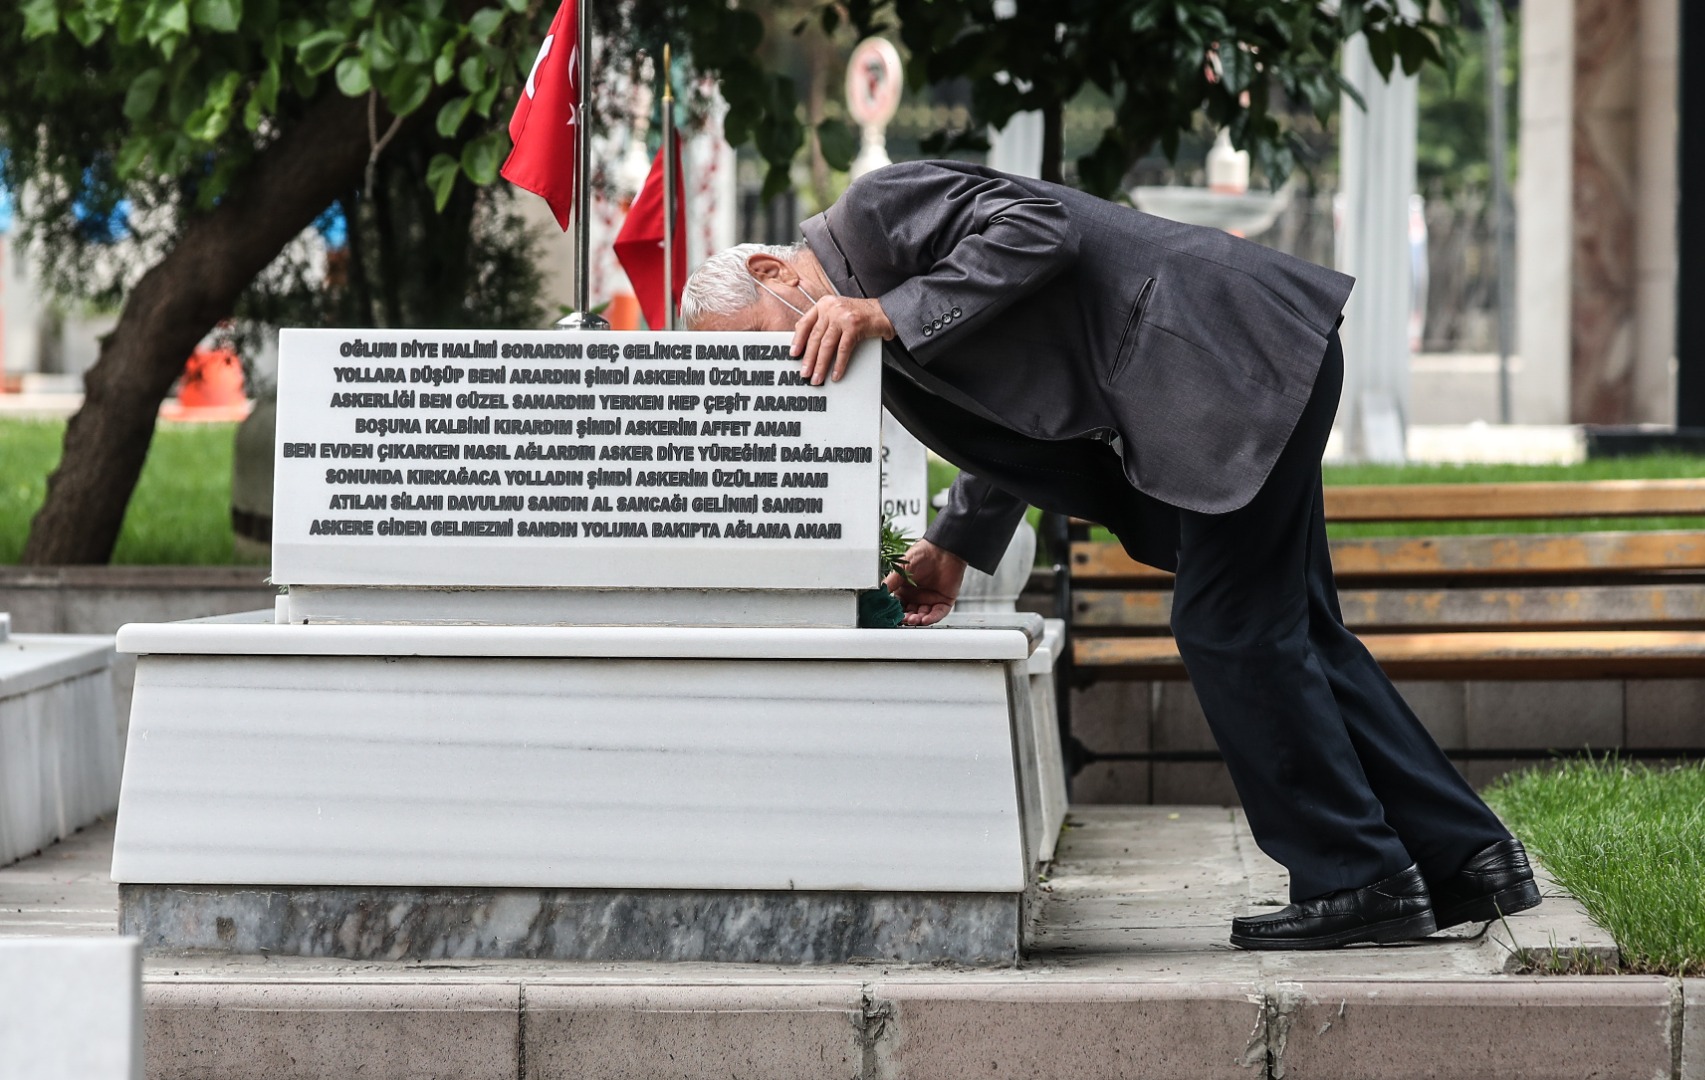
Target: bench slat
1613,605
1573,654
1506,502
1424,556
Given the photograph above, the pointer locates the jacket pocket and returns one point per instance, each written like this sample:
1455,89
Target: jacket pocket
1133,322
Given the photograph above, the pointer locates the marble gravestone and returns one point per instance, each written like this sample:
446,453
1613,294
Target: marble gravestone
565,666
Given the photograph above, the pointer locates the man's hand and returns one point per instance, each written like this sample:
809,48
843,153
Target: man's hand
826,335
936,576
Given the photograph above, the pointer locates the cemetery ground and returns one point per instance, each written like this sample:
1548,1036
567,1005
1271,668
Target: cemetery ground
1129,973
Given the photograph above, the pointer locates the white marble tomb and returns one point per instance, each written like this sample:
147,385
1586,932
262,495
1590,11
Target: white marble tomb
445,746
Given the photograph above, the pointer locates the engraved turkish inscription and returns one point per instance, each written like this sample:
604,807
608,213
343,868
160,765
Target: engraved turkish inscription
554,459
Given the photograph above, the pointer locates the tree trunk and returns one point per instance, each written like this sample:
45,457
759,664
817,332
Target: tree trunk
171,309
1054,141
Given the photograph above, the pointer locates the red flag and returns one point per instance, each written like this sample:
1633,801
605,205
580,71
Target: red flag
639,246
543,127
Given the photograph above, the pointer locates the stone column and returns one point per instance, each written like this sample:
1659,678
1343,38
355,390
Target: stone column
1602,289
1655,239
1544,236
1377,152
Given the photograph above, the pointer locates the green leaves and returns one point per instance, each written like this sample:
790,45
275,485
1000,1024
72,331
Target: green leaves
441,175
353,76
451,115
41,18
221,16
838,142
319,51
144,91
482,157
484,24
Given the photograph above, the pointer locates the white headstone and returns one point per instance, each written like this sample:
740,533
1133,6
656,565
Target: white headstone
71,1008
541,459
905,478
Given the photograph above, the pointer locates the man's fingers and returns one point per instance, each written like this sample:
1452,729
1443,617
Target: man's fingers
814,350
843,355
826,347
802,334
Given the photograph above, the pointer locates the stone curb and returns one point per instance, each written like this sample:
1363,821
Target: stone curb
931,1028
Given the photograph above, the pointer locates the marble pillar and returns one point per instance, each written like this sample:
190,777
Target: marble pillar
1655,241
1540,383
1597,220
1602,287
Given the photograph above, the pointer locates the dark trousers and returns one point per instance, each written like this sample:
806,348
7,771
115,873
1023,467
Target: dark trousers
1341,783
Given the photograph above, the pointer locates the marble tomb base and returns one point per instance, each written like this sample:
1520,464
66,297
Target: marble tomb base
595,793
724,926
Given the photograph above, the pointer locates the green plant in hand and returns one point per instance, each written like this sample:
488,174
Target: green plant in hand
891,550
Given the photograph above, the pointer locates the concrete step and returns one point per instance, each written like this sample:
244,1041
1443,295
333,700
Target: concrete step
1130,975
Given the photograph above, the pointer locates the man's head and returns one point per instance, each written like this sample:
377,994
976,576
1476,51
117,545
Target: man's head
752,287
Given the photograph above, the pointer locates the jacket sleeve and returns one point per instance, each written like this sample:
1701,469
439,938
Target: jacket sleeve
977,523
969,244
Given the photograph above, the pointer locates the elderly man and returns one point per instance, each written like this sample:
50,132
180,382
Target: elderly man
1177,385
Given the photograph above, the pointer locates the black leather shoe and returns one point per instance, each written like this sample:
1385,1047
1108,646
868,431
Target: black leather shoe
1496,881
1396,909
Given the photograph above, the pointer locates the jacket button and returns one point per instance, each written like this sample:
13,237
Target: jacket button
928,330
956,313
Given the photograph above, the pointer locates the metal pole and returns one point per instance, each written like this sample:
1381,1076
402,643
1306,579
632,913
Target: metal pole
669,166
1500,198
583,319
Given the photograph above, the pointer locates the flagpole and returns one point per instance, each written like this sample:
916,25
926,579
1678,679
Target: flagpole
669,166
583,174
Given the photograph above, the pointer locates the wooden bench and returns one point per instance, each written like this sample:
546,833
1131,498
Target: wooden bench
1539,605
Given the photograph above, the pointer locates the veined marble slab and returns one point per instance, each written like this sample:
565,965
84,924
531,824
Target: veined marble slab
579,759
597,925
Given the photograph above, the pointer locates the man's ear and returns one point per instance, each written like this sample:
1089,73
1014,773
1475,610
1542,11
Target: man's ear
768,268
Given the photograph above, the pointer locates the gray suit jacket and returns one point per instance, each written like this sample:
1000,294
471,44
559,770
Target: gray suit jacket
1060,316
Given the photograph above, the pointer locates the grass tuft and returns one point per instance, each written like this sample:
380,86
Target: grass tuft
1628,841
181,513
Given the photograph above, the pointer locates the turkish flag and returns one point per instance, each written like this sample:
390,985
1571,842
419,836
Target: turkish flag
543,127
639,245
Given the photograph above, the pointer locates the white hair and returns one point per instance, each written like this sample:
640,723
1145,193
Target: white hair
723,285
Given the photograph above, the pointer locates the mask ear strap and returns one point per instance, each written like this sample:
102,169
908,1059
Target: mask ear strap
777,295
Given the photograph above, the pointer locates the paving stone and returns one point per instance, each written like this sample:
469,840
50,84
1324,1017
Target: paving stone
273,1031
755,1032
1442,707
1509,1029
1665,713
1544,715
1112,716
1693,1030
1112,782
1180,1031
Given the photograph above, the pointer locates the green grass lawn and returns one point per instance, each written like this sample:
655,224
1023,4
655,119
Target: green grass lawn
182,509
1629,842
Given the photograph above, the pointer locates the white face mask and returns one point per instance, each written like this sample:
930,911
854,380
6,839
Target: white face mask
777,295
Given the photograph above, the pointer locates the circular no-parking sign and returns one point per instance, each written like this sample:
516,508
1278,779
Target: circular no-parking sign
873,82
